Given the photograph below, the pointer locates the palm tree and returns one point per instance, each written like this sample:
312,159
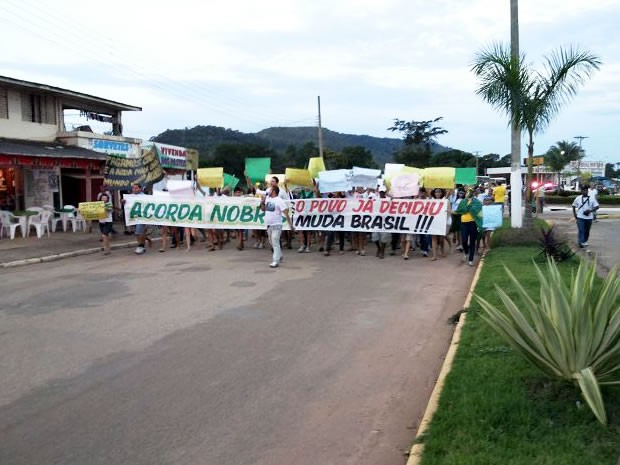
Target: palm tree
560,155
531,99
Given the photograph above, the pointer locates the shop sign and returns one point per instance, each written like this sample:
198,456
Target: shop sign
115,148
170,156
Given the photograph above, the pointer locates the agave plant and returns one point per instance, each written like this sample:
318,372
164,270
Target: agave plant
573,333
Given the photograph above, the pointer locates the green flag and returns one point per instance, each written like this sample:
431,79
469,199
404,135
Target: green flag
257,168
465,176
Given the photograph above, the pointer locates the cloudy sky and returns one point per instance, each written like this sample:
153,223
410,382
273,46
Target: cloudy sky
249,65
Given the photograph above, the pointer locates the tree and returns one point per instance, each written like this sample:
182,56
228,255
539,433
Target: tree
349,157
418,137
455,158
414,156
418,133
531,99
560,155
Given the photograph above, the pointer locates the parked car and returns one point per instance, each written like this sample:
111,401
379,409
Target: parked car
550,187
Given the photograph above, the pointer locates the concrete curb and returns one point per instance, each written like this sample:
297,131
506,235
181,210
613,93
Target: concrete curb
74,253
415,454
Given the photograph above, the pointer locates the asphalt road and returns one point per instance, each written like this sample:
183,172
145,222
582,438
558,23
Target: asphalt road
604,242
213,358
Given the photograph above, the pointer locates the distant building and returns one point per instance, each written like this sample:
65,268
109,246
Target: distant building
596,168
41,162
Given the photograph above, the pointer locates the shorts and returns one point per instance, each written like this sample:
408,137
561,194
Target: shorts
105,228
140,229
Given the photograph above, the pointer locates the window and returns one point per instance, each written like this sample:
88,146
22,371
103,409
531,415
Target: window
39,108
4,104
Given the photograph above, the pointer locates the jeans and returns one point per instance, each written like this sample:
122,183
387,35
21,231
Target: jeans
425,242
583,230
331,235
274,233
469,234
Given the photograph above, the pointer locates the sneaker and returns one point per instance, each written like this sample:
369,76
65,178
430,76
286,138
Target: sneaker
139,250
424,253
326,253
363,253
274,265
301,249
470,263
464,257
256,244
585,244
405,257
307,250
261,245
460,248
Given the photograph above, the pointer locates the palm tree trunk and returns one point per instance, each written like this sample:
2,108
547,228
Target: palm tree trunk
516,182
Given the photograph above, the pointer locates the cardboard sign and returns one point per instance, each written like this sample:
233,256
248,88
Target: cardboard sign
405,185
334,181
465,176
492,216
230,181
439,177
297,177
92,211
210,177
315,166
257,168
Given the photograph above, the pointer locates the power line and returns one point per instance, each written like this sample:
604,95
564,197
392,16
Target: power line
217,102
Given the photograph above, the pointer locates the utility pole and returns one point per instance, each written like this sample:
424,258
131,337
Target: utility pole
320,130
580,138
476,153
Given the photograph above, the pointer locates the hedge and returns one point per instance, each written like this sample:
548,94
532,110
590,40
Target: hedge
602,199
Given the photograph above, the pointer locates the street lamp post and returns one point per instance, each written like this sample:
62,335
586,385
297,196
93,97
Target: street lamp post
581,152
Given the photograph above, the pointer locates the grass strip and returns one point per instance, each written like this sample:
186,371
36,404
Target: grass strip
497,409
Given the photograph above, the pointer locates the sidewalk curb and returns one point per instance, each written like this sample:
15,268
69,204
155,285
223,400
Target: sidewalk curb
415,454
74,253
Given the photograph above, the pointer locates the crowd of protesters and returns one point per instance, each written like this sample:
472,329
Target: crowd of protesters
463,233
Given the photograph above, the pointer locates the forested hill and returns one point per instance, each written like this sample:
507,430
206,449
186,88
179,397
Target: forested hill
280,138
206,139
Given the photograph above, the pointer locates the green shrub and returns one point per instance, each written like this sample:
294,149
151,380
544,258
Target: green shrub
602,199
518,237
573,334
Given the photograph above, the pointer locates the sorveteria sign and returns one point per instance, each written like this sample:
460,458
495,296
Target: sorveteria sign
419,216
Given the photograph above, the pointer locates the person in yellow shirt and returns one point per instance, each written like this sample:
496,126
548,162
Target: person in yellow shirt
470,210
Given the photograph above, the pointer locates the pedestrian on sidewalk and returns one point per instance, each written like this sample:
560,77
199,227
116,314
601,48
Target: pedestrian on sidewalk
584,207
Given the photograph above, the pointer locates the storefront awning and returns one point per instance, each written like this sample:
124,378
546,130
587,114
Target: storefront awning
14,148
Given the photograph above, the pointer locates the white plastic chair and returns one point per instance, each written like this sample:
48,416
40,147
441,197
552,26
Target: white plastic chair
64,218
78,222
41,223
10,222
